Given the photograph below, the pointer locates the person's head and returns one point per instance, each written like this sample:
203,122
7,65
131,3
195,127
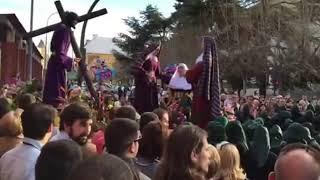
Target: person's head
72,19
215,162
25,100
289,103
223,97
297,133
76,120
305,98
163,117
262,108
246,110
230,162
296,162
302,105
56,159
237,136
256,103
146,118
282,102
250,100
242,100
122,138
182,69
37,121
216,133
186,154
128,112
10,125
104,167
5,106
151,144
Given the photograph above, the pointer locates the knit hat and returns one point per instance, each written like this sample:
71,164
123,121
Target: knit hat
276,136
237,136
222,121
216,133
296,133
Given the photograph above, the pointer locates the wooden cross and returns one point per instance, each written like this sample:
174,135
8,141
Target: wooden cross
62,16
75,47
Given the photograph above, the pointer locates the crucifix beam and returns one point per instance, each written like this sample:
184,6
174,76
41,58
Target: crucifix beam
55,26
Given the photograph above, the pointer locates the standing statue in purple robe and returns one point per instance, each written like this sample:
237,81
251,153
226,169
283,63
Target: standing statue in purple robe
55,86
146,73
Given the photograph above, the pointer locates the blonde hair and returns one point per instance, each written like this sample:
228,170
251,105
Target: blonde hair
215,162
230,163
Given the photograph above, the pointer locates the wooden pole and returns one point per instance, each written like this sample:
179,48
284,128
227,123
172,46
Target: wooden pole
30,44
55,26
83,71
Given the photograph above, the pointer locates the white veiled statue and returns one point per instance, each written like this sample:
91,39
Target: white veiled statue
178,80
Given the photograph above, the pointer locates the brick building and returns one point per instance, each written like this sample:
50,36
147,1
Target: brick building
14,51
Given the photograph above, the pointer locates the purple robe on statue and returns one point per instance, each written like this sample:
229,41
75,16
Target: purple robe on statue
146,90
54,92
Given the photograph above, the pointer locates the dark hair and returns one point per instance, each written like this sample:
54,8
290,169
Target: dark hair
105,167
56,159
176,162
146,118
151,144
128,112
73,112
119,134
71,16
160,112
37,120
5,107
25,100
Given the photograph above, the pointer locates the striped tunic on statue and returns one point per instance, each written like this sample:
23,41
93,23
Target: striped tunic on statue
209,84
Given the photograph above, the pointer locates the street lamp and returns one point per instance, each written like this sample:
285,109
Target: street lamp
30,43
46,42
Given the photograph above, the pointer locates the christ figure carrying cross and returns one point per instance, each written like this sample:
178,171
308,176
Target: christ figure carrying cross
55,87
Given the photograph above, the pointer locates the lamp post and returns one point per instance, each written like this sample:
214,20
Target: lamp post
46,43
30,55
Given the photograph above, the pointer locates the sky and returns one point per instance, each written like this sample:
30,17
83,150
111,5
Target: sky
107,26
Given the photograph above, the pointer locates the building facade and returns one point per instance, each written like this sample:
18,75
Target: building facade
14,52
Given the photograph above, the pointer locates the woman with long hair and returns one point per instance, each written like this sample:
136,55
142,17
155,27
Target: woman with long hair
230,163
186,155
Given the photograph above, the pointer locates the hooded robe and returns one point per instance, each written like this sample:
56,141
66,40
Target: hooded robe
204,77
237,136
55,86
261,160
